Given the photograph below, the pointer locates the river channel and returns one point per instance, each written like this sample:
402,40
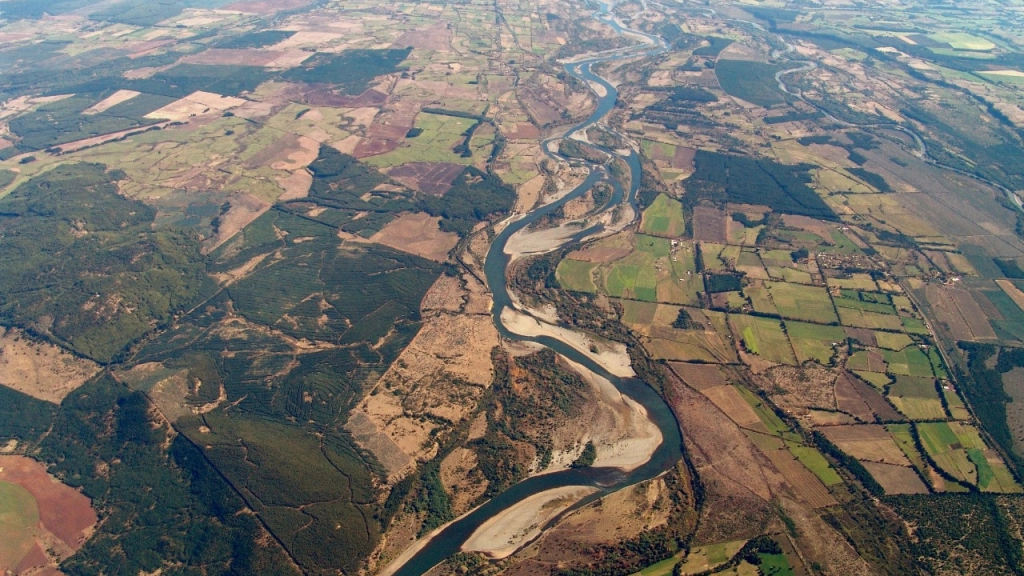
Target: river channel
450,539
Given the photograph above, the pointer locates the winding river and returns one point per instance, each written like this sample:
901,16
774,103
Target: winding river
450,539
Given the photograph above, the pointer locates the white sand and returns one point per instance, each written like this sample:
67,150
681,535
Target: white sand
611,356
507,531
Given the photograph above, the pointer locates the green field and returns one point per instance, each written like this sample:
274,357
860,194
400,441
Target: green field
963,41
575,275
761,300
917,398
774,565
910,361
904,438
815,462
893,340
664,217
19,516
959,449
436,143
764,337
865,319
768,416
814,341
799,302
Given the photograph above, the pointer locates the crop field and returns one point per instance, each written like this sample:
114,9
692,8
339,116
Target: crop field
816,463
910,361
576,275
814,341
865,319
917,398
799,302
944,447
719,256
866,301
764,337
654,272
19,516
702,558
893,340
439,135
760,299
856,281
962,41
664,217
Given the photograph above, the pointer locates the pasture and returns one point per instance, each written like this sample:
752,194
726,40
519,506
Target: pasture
917,398
764,337
664,217
799,302
814,341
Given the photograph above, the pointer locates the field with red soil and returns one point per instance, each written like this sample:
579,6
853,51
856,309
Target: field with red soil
434,178
66,517
388,130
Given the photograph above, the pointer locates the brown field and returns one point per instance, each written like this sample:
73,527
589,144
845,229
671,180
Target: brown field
266,6
110,101
681,159
699,376
66,517
808,224
436,37
295,185
803,483
950,305
862,335
248,57
419,234
729,401
977,320
849,400
388,130
39,369
244,209
710,225
390,421
896,479
434,178
521,131
1013,292
196,104
867,442
874,400
737,490
1013,385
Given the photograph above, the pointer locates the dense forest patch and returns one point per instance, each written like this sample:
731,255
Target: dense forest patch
84,266
739,179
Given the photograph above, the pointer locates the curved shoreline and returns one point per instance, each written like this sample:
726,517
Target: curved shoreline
658,444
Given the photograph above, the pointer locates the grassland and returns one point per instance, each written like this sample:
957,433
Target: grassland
576,276
814,341
799,302
664,217
918,398
438,137
764,337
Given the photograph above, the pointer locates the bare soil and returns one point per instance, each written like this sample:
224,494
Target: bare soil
40,369
419,234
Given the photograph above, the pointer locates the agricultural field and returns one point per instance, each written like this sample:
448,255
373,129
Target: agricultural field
663,218
247,243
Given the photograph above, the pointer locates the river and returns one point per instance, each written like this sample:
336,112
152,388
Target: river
450,539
